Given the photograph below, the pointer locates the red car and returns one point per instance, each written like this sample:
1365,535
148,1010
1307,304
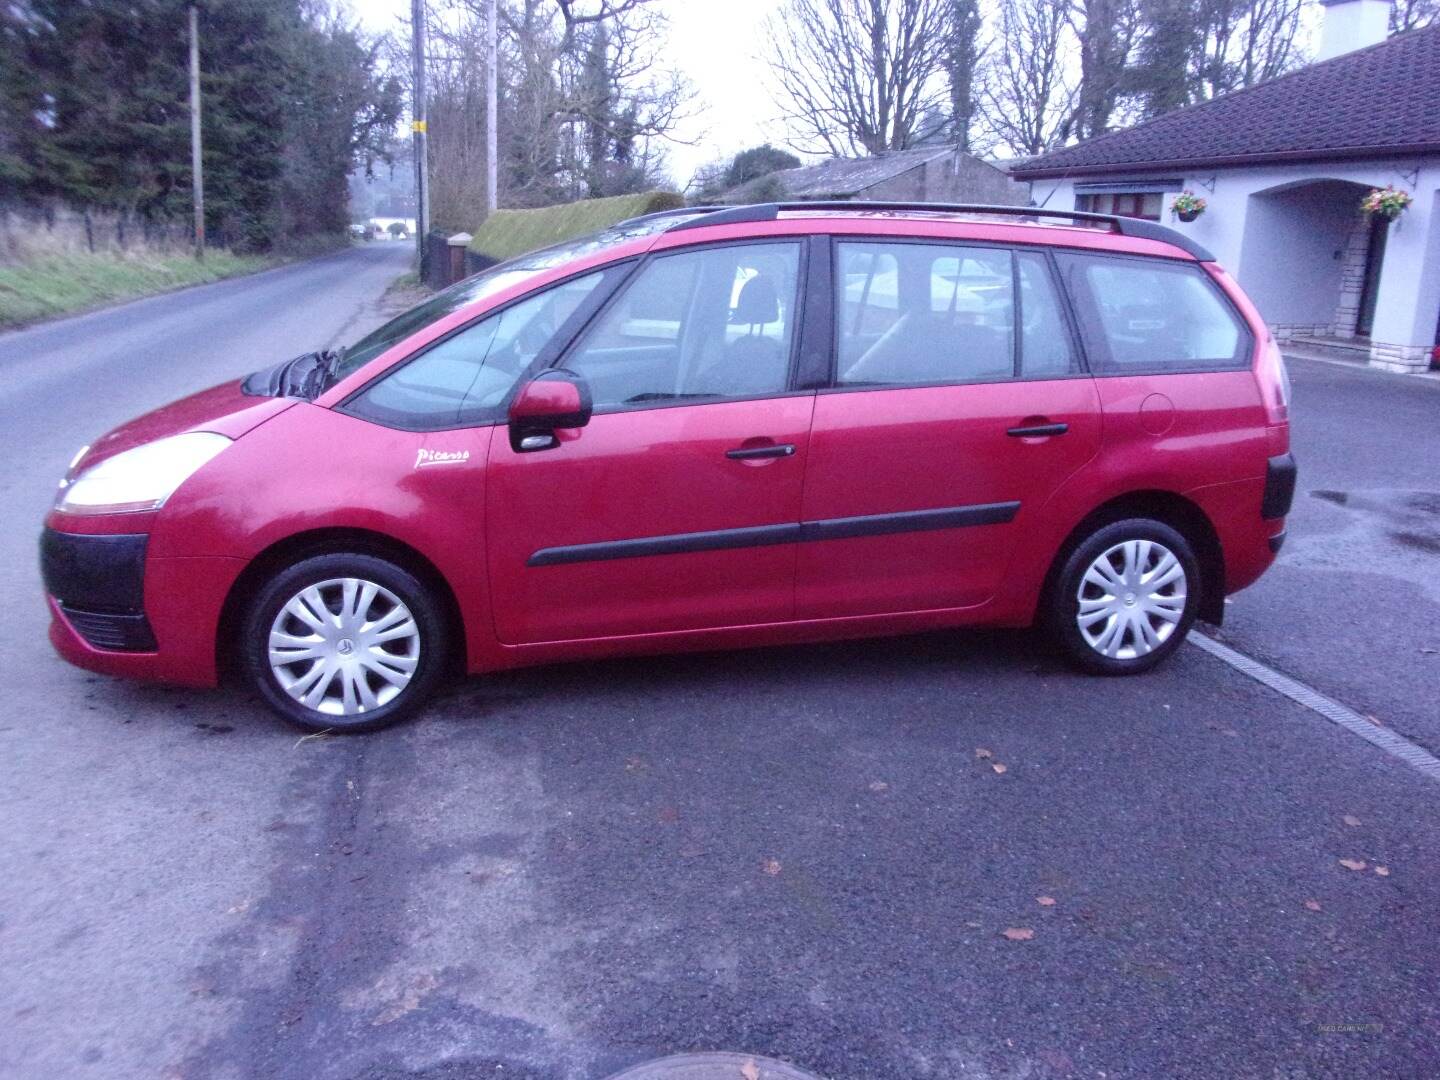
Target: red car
699,430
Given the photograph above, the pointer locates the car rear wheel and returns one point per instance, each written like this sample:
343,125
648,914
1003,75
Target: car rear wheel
1126,597
344,642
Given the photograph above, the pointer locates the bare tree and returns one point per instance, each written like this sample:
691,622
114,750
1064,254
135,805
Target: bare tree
1031,89
584,103
1412,14
1244,42
855,76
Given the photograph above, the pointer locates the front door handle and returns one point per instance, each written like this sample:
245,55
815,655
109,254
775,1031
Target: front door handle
1037,431
750,453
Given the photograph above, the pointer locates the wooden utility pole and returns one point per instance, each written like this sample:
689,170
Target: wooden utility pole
197,178
492,82
422,178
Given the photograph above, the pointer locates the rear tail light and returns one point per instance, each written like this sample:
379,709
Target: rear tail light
1274,382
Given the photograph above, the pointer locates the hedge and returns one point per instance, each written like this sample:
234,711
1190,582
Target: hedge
507,233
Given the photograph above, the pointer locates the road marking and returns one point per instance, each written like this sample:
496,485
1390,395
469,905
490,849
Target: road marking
1329,708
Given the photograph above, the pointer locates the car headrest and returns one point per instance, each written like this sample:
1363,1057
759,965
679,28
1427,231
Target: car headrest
759,301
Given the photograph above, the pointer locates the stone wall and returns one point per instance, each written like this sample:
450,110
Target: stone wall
1352,278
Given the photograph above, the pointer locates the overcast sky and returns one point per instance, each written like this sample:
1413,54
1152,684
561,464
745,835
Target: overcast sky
716,45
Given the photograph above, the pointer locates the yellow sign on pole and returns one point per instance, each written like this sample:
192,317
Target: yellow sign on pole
418,125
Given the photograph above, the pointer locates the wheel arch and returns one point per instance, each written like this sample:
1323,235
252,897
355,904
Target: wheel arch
332,541
1182,515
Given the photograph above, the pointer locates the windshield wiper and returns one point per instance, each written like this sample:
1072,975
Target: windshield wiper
327,370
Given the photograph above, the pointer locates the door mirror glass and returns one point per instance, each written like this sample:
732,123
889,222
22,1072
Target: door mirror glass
551,401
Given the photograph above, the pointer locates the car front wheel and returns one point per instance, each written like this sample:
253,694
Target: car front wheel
344,642
1126,597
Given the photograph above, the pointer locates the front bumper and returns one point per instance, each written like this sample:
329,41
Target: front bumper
118,610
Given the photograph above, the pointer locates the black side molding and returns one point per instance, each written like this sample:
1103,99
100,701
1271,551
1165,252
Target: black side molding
950,517
674,544
1280,475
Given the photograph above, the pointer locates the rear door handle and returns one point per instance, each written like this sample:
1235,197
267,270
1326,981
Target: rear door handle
1038,431
750,453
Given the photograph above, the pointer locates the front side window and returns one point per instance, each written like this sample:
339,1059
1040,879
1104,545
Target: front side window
918,314
464,379
702,325
1153,314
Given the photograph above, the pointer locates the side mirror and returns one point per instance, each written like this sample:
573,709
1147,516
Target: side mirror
552,400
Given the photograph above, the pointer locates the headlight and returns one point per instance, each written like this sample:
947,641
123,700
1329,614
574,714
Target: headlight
141,478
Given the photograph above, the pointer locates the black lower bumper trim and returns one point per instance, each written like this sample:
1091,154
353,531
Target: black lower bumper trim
99,583
111,631
1279,487
1277,542
95,573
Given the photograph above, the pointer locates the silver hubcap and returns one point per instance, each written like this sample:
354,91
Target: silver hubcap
1131,599
344,647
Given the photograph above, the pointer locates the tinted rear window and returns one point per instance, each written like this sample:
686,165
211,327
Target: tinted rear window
1153,315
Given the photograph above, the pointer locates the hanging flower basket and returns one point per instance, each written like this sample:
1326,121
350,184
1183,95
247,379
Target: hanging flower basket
1387,202
1187,206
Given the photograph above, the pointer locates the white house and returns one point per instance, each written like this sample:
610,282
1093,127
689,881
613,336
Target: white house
1283,167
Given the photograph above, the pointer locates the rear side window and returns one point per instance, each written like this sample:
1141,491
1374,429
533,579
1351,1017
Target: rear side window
1153,315
920,314
1046,351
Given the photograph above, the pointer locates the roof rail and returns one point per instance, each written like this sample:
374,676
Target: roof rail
1125,226
674,211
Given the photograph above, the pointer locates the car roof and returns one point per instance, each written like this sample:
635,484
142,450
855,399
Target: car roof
1000,224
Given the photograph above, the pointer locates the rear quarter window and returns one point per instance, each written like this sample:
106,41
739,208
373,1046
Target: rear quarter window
1153,315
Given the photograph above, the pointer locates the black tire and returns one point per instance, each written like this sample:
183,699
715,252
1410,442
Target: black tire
1062,605
429,644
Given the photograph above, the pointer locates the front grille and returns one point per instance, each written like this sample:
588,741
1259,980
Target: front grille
110,631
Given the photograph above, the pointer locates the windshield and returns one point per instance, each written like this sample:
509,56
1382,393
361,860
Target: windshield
488,283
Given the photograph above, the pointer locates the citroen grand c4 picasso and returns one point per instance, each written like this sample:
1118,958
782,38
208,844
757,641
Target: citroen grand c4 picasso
696,430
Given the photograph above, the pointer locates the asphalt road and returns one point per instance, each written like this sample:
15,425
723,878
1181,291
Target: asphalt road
795,852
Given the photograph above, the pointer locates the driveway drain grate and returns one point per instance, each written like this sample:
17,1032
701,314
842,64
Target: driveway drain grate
718,1066
1393,744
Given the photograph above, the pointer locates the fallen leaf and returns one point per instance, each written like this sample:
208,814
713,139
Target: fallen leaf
1350,819
1045,901
750,1071
669,815
1374,719
771,866
983,753
1353,864
1019,933
1313,905
1383,871
998,767
879,786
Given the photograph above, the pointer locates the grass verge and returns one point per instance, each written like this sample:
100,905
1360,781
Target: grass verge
59,284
